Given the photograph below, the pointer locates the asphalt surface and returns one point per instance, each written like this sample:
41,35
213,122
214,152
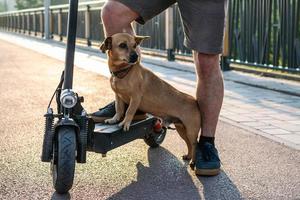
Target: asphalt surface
252,167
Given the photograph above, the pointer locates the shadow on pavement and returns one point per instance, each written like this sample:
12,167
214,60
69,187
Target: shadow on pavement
219,187
57,196
166,177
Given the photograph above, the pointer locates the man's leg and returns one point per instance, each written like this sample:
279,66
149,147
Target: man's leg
204,28
210,91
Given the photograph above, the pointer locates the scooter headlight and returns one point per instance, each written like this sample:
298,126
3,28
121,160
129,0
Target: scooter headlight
68,98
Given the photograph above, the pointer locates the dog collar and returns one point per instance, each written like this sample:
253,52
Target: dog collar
122,73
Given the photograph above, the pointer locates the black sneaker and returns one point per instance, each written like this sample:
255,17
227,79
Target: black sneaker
109,111
207,160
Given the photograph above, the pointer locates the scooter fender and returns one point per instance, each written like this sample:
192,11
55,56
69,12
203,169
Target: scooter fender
66,122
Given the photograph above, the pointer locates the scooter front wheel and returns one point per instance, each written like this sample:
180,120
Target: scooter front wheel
64,157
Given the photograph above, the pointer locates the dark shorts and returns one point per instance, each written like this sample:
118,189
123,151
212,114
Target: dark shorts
203,20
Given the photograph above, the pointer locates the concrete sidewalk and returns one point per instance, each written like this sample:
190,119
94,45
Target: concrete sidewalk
262,111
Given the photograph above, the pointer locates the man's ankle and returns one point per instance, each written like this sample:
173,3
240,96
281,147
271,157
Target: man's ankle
204,139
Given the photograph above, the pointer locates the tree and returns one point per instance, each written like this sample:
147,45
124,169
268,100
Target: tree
23,4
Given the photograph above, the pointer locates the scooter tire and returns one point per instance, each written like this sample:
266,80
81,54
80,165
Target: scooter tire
63,165
154,140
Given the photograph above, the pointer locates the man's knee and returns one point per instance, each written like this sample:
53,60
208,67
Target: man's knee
114,12
207,63
108,12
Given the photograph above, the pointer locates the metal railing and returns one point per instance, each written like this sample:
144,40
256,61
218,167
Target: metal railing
261,33
265,33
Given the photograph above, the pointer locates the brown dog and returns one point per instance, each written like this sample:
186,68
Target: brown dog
141,89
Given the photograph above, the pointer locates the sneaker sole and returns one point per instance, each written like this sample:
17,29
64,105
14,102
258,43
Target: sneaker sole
102,119
207,172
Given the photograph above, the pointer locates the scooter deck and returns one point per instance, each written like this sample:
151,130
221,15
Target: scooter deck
107,137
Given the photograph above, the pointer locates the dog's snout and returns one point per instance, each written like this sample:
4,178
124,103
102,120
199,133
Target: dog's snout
133,57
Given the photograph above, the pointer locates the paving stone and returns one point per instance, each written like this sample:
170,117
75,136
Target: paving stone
258,116
272,121
276,131
239,110
255,124
289,127
294,138
265,127
238,118
295,122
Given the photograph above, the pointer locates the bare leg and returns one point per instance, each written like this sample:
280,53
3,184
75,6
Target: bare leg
117,18
210,91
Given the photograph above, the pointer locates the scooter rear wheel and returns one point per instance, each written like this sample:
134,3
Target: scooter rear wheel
155,139
64,156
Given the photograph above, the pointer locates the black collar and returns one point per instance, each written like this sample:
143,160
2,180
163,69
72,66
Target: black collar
122,72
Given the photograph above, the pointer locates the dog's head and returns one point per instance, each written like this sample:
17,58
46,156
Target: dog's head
121,48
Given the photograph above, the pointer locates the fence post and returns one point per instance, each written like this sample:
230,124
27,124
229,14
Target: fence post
15,23
46,19
19,22
170,33
11,22
8,22
87,18
28,23
23,23
59,24
42,24
226,51
34,23
51,22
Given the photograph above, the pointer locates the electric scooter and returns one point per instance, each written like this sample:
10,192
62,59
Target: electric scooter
70,132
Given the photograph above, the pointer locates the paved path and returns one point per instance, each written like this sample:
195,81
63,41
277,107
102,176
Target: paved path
271,114
252,167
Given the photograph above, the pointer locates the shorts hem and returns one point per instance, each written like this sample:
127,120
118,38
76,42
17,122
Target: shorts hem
205,50
141,19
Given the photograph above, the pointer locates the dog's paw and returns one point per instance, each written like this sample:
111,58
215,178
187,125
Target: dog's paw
186,157
125,124
192,165
111,121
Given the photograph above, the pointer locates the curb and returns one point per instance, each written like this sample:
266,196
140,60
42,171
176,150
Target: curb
260,133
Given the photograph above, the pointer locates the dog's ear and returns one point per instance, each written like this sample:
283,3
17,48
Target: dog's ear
106,44
139,39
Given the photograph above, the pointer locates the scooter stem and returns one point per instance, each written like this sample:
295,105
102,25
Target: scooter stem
71,42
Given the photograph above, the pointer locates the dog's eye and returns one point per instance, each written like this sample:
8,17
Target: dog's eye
123,46
134,46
